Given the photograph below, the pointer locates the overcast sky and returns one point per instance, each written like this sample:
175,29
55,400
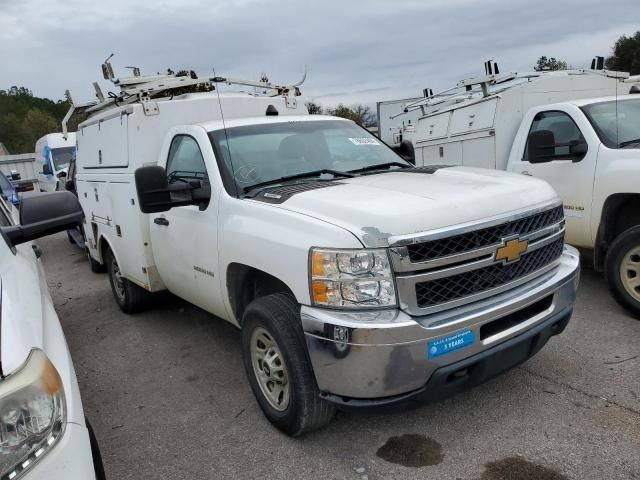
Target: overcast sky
356,51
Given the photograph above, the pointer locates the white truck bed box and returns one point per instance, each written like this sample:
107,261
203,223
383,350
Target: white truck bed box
112,145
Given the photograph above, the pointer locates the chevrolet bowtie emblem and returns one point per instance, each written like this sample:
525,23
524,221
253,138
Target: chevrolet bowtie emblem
511,250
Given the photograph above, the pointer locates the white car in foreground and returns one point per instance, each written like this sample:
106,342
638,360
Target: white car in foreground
43,430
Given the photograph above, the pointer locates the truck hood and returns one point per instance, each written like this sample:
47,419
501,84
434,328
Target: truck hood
376,207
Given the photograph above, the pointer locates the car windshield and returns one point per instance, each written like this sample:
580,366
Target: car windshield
617,123
62,157
265,153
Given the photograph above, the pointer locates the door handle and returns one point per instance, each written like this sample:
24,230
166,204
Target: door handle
161,221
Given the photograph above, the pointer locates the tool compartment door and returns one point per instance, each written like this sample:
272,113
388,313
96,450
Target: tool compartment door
432,127
108,141
479,116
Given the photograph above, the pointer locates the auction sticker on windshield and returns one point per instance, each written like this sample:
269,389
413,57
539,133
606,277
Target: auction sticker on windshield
364,141
450,343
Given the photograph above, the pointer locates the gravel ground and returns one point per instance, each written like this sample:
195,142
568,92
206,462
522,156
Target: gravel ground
167,396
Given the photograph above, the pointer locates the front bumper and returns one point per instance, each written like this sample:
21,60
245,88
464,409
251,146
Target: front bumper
70,458
379,357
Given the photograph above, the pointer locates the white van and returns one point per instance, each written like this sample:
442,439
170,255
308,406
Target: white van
53,154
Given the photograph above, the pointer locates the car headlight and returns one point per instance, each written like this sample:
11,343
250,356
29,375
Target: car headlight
32,414
351,278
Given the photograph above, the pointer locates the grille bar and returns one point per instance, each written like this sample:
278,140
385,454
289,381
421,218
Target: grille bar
468,241
447,289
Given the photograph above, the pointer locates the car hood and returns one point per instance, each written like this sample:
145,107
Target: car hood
22,306
376,207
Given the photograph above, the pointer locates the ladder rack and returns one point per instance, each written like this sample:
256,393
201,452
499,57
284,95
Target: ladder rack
141,88
467,89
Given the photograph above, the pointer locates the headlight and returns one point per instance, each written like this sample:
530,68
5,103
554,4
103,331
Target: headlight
32,414
351,278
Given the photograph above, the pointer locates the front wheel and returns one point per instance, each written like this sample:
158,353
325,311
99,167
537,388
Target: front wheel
130,297
623,270
278,368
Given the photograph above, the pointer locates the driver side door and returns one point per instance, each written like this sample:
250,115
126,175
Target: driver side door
185,239
573,178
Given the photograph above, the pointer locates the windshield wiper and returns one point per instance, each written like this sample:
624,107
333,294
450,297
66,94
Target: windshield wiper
629,142
381,166
314,173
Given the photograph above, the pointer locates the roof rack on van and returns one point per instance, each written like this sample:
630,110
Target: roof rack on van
141,88
481,87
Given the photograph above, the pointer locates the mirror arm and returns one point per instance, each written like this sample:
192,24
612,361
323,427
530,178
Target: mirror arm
18,234
14,234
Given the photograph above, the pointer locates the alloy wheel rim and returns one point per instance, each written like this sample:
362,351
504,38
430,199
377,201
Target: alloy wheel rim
269,369
630,272
118,282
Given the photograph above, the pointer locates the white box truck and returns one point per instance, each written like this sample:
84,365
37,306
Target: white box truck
587,127
356,279
54,152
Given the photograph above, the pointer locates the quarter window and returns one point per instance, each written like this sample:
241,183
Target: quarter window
185,160
562,126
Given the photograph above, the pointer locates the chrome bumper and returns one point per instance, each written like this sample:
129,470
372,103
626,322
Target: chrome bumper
377,354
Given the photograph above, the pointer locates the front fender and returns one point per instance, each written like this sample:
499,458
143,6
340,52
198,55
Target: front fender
275,241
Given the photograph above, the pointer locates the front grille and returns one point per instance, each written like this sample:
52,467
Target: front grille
422,252
447,289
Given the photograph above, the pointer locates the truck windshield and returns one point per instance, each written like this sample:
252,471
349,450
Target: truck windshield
62,157
617,123
256,155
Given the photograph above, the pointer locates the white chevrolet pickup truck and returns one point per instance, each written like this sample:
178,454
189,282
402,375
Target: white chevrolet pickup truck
356,278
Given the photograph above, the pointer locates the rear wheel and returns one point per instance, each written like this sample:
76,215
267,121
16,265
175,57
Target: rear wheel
278,368
623,270
130,297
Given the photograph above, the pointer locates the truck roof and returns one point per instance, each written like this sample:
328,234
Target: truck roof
588,101
238,122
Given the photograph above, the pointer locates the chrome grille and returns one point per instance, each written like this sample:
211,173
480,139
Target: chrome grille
446,289
425,251
436,272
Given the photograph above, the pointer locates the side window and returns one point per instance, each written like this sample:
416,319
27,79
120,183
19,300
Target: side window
562,126
185,161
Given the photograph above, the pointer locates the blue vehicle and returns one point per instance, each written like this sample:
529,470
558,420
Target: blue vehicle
9,192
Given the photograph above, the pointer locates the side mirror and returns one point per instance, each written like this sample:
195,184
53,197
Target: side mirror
155,194
46,169
578,149
69,185
541,146
43,214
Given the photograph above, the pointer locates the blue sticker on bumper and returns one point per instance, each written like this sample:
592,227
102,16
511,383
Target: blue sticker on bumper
450,343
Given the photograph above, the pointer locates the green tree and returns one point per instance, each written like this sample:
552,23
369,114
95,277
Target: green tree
626,55
24,118
361,114
314,108
551,63
37,123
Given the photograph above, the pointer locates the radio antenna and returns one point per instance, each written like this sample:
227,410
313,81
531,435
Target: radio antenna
224,127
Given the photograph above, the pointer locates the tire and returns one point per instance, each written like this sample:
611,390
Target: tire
275,318
130,297
94,265
622,270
